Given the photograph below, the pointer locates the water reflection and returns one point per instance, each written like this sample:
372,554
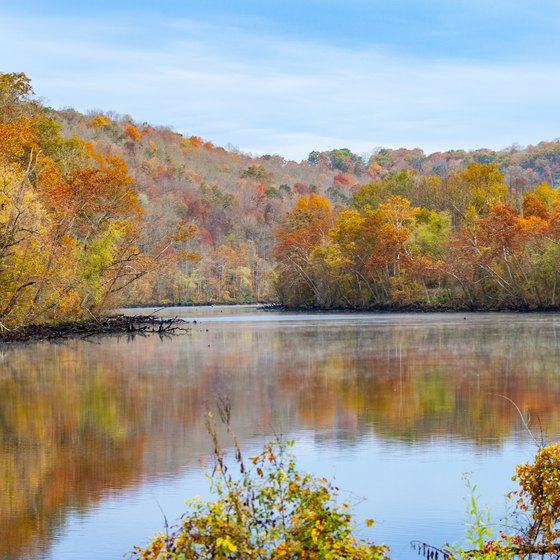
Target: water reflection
80,419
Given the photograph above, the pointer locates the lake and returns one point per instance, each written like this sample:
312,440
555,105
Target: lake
100,438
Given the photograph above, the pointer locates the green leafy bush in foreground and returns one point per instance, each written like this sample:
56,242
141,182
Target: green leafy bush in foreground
269,511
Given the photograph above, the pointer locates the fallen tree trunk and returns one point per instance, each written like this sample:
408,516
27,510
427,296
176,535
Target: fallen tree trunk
113,324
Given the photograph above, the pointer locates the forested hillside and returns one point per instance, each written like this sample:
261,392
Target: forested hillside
98,210
221,208
216,208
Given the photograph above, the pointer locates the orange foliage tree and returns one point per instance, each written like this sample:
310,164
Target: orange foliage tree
306,226
69,217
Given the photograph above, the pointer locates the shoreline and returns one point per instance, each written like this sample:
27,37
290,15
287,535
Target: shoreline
191,304
387,308
410,309
132,325
106,325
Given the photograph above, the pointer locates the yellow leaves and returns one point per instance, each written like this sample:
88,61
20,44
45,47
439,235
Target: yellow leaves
369,522
332,255
348,228
273,512
546,194
17,138
11,178
476,189
99,121
15,85
185,231
314,534
180,541
540,494
396,210
225,544
68,215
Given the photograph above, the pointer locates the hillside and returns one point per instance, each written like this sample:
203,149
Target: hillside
217,207
98,211
227,204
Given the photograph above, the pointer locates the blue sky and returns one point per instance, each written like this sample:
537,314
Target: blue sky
289,77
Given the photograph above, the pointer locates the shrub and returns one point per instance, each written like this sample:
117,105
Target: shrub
269,510
537,511
539,497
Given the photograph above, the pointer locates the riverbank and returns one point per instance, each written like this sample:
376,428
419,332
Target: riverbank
97,326
201,304
410,308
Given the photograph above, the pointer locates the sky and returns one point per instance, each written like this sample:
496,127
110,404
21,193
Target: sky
288,77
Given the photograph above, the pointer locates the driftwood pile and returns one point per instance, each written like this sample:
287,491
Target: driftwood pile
110,325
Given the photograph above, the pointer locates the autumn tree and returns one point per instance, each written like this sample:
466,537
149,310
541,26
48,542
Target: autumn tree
69,217
306,226
475,190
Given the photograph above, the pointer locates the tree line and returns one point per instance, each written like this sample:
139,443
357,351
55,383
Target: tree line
463,241
97,210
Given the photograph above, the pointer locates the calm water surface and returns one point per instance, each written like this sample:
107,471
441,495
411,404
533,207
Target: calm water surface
98,437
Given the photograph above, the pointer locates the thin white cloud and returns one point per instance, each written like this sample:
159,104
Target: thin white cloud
268,94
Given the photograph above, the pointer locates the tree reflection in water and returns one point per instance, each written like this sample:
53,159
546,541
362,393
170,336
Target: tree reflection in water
81,419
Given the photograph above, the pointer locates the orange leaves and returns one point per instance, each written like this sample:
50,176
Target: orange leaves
312,202
311,217
68,216
386,250
533,207
376,171
94,194
306,227
500,229
504,229
505,259
344,180
195,143
360,258
308,222
132,132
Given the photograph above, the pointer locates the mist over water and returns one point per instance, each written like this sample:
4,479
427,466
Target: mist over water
98,436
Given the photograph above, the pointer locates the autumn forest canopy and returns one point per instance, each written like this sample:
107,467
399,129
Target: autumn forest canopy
98,211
